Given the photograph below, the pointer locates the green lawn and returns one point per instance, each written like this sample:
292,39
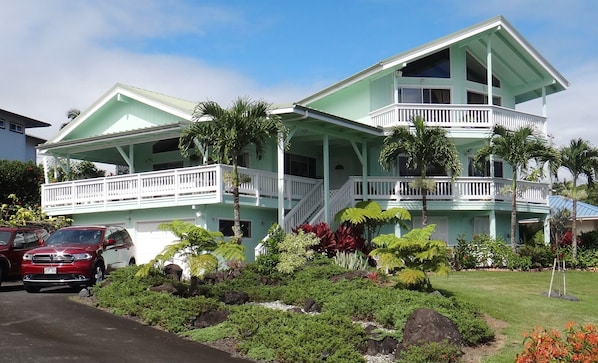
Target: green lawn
519,299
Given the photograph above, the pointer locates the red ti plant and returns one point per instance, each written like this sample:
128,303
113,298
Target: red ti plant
347,238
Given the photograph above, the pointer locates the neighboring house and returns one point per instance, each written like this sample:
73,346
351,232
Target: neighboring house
335,139
587,214
15,144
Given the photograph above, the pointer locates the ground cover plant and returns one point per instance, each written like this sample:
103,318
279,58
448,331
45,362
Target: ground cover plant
283,336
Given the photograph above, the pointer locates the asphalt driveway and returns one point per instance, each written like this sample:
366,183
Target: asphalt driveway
49,327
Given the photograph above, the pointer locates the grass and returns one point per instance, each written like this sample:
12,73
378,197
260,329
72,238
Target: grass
519,299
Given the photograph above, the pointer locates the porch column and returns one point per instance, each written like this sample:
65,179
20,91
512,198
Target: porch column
492,224
326,179
280,174
489,68
547,240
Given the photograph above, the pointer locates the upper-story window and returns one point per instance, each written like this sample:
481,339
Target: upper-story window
474,98
300,165
2,123
16,128
437,65
477,72
166,145
424,95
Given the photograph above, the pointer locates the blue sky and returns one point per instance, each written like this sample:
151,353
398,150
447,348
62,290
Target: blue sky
64,54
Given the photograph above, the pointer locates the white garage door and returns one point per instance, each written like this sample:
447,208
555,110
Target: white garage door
150,240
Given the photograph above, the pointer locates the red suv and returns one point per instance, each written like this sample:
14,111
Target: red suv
14,242
77,256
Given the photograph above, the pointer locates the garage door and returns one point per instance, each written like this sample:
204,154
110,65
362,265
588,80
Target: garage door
150,240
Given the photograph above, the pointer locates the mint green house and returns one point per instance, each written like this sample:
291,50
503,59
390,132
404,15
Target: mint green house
335,139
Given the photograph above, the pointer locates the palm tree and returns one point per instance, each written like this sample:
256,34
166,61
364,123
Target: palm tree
71,114
227,133
517,148
581,159
425,147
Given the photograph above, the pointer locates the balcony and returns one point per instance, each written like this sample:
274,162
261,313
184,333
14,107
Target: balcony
462,116
186,186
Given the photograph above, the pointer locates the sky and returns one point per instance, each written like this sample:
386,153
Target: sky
63,54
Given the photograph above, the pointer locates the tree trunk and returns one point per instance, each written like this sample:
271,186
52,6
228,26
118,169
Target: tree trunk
424,207
574,222
238,235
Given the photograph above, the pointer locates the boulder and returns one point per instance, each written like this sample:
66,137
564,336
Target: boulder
426,326
235,298
210,318
167,287
173,271
311,306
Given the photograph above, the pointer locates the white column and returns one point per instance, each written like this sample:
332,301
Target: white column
489,68
492,223
326,179
280,173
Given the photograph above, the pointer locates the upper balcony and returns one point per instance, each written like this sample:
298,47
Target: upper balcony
457,116
168,188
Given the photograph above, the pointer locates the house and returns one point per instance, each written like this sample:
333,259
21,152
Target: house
587,214
15,144
333,146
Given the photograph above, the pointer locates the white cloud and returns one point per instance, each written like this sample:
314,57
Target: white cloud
64,54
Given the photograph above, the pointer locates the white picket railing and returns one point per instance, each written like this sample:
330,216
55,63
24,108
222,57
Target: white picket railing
455,115
300,213
175,184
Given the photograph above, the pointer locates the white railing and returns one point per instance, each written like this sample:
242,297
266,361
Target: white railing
175,184
466,116
305,208
465,188
339,199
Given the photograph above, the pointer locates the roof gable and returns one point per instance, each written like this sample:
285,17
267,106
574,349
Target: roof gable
513,56
124,109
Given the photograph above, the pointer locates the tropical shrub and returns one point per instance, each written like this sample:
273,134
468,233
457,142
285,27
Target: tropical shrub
199,248
351,260
578,344
15,214
412,256
588,240
267,261
295,250
347,238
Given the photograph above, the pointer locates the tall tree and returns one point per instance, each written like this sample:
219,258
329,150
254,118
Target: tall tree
227,133
424,147
517,148
580,158
71,114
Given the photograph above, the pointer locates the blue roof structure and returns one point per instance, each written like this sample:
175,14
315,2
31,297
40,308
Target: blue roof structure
584,210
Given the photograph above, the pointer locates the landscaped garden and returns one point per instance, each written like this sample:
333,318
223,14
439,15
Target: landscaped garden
315,296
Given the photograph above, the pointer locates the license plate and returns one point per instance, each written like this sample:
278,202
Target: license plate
49,270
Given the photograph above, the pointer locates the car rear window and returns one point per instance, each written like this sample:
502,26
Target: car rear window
77,236
4,238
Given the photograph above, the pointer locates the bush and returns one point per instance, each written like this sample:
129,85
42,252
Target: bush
431,352
579,344
23,179
295,251
266,262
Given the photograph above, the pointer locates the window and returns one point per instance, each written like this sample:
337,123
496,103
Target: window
16,128
477,72
481,225
474,98
433,170
498,169
437,65
424,95
300,165
225,226
2,123
167,145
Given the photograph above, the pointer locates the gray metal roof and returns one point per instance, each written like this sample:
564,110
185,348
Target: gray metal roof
584,210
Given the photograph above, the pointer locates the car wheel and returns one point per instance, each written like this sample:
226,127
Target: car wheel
98,274
31,289
1,271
